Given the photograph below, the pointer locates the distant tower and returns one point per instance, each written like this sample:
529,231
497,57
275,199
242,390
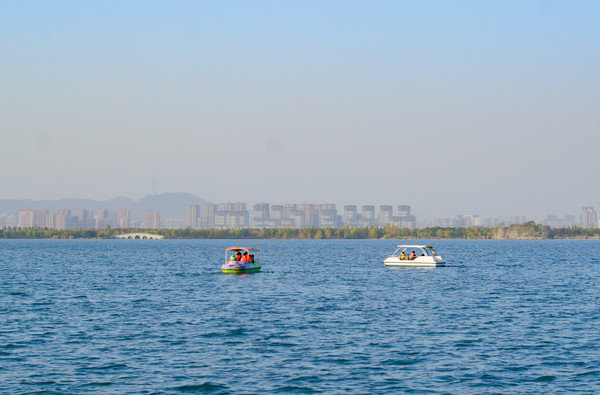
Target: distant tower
589,217
123,218
192,215
153,219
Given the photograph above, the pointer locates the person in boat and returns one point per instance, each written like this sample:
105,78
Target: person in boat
251,258
412,256
403,256
232,258
244,257
238,256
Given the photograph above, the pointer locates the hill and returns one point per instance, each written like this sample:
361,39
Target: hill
169,204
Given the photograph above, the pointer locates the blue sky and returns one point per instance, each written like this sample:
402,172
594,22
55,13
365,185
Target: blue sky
453,107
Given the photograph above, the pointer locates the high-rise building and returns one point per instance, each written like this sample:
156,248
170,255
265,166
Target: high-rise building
261,215
328,216
123,218
85,219
11,220
311,217
350,216
367,215
459,221
153,219
192,216
61,218
589,217
403,210
441,221
41,218
404,218
554,222
27,218
174,222
209,214
277,212
102,219
385,215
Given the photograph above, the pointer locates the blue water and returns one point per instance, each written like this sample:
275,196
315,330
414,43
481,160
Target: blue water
323,316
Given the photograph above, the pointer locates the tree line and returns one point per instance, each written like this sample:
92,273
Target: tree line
528,230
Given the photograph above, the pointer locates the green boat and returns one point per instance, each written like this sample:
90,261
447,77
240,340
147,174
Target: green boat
242,261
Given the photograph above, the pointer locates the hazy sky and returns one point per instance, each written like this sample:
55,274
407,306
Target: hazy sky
454,107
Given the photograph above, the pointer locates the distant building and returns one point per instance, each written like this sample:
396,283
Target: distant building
61,218
328,216
554,222
404,219
404,210
153,219
459,221
350,214
209,214
231,215
42,219
27,218
261,212
589,217
85,219
124,219
102,219
277,212
174,222
442,222
386,213
11,220
192,216
490,222
367,215
311,216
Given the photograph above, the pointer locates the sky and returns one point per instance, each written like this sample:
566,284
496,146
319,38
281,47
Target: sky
488,108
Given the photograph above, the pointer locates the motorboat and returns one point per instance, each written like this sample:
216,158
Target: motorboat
414,256
241,260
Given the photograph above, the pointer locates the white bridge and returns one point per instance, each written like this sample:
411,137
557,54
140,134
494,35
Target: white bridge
139,236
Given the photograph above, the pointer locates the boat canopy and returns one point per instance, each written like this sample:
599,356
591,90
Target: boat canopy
241,249
414,246
420,247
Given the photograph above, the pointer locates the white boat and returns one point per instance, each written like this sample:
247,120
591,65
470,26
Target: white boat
423,256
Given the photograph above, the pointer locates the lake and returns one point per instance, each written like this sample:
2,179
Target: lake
323,316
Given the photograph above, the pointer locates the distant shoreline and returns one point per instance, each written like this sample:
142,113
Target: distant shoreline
526,231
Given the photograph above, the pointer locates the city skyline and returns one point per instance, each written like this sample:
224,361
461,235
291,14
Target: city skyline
238,215
417,209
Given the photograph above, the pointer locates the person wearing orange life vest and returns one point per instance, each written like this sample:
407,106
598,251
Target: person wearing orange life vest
244,257
412,256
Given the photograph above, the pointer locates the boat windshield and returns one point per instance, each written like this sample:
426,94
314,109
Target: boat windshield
419,251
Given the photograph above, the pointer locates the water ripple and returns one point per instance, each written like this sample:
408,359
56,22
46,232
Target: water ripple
125,317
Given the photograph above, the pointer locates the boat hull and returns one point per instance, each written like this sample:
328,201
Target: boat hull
422,261
240,268
415,264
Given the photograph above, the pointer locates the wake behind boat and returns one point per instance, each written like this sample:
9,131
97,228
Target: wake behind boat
419,255
242,260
